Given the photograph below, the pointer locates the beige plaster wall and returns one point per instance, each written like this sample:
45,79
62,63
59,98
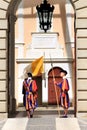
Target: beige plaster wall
58,23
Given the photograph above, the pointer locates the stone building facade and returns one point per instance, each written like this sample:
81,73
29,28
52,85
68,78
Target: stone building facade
7,42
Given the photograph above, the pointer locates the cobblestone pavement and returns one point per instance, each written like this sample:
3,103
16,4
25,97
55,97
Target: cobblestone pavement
2,122
83,123
41,124
47,122
44,120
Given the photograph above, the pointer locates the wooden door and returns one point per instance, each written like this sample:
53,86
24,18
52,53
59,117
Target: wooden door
51,89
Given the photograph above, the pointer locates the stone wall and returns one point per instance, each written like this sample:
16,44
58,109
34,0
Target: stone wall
81,55
3,57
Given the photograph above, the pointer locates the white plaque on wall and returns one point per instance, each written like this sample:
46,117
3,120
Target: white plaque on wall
44,40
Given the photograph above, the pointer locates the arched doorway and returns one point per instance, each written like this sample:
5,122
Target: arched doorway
13,78
51,90
54,102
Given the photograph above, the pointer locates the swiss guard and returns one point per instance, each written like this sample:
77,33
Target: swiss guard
64,96
30,95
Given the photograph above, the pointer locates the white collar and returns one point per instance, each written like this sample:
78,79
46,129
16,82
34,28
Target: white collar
64,77
29,78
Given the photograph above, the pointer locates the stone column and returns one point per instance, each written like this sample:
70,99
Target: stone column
69,39
11,44
19,44
20,12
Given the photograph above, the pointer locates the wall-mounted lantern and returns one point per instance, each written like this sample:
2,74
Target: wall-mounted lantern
45,12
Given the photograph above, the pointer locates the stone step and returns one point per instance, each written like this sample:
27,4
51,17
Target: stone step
48,110
52,110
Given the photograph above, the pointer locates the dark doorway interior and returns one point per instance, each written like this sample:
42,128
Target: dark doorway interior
38,80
